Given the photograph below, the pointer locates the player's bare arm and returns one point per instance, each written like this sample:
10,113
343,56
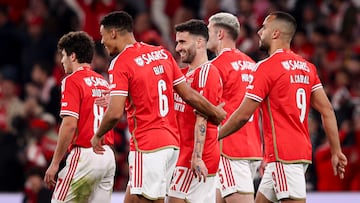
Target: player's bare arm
66,132
200,103
111,117
239,118
197,164
320,102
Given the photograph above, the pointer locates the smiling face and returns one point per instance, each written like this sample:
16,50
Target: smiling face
108,40
185,46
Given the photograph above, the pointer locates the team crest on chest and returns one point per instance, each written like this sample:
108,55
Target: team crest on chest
139,61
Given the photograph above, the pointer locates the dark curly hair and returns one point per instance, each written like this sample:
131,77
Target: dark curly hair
79,43
195,27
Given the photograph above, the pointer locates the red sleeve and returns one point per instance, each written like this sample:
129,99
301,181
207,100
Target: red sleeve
70,99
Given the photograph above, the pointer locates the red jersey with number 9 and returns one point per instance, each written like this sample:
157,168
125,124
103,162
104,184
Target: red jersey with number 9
146,75
284,83
79,91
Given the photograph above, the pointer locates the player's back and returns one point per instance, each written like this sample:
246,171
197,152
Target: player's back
287,81
79,91
149,74
235,70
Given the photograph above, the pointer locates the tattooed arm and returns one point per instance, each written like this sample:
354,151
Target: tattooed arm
197,164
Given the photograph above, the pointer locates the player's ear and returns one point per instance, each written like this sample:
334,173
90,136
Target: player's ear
220,34
276,34
73,56
113,33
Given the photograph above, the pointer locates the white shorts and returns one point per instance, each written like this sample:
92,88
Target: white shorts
86,177
283,181
150,173
236,176
185,186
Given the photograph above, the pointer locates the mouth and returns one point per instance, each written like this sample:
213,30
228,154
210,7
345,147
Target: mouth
182,54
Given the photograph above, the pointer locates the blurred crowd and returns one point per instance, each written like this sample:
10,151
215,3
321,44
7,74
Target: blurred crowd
30,72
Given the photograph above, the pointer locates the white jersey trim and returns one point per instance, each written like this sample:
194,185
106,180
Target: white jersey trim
69,113
179,80
253,97
119,93
204,72
315,87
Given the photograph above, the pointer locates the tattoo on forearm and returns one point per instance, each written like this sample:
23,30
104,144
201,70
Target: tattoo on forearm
202,129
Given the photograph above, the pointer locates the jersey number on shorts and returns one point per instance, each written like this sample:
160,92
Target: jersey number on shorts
98,115
163,99
301,103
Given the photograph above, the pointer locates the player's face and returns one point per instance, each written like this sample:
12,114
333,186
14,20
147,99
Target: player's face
185,46
108,39
265,33
66,62
213,37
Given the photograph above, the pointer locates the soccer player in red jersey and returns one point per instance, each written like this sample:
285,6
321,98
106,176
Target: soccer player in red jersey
87,176
143,79
194,176
285,85
241,152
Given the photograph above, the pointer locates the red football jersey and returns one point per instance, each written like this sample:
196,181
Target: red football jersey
235,70
79,91
206,80
284,83
146,75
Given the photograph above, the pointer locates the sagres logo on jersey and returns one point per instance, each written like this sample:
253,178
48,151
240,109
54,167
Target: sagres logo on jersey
88,81
286,65
138,60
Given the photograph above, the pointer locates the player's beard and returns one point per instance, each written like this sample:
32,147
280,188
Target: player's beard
114,52
263,46
190,55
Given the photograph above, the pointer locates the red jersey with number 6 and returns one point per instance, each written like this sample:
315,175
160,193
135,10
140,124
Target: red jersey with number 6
146,75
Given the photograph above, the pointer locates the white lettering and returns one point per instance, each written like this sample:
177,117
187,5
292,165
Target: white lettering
158,69
154,56
299,79
179,107
243,65
96,92
295,65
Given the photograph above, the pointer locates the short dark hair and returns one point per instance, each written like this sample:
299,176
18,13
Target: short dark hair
195,27
287,18
119,20
80,43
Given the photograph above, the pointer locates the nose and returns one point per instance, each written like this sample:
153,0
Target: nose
177,47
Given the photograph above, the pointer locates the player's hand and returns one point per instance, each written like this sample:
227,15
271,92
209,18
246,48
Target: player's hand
49,178
339,163
220,114
96,144
199,169
104,100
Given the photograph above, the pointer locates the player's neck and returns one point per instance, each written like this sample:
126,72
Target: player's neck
126,41
225,44
77,66
277,46
198,61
